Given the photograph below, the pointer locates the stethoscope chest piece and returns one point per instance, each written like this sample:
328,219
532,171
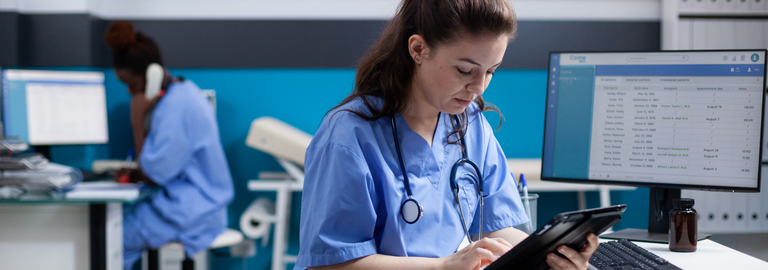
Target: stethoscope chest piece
411,211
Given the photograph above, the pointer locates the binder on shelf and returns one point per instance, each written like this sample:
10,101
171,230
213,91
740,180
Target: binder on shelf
708,211
743,5
765,33
765,143
759,5
727,214
684,34
700,31
711,211
729,5
685,5
701,206
713,5
724,35
753,212
738,212
712,37
749,34
699,5
764,202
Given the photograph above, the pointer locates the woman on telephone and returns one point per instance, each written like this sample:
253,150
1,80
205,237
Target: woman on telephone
177,145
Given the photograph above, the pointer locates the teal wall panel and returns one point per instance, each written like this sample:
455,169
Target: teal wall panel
301,97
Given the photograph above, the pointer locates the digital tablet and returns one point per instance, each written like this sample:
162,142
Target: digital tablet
570,229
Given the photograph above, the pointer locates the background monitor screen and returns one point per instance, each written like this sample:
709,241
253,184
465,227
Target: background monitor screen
680,119
55,107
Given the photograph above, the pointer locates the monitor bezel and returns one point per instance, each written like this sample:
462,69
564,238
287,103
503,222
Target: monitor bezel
652,184
56,70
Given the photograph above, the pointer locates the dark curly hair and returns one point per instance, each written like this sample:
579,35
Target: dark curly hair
131,49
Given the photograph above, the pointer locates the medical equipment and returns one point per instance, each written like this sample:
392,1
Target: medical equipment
411,211
279,139
285,142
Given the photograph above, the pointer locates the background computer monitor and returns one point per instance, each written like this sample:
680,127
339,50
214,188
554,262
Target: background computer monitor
54,107
667,120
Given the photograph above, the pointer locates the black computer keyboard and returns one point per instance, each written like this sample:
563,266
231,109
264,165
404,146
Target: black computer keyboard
624,255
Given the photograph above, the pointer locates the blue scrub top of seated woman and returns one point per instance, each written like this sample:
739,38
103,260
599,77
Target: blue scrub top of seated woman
183,155
353,189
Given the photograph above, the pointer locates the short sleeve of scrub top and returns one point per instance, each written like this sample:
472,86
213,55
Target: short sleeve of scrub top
340,216
353,189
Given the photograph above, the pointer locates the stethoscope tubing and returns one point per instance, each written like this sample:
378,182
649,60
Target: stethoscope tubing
400,158
478,181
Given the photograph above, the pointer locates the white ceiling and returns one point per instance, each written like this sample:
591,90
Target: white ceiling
589,10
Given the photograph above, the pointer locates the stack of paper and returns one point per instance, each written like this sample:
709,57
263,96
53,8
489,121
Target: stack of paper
104,190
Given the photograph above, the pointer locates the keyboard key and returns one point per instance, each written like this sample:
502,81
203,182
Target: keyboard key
625,255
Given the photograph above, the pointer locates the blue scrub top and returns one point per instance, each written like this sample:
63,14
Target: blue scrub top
183,154
353,189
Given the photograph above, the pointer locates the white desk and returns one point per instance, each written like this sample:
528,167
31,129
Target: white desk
54,232
709,255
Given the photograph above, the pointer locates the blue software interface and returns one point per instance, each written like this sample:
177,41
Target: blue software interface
54,107
682,118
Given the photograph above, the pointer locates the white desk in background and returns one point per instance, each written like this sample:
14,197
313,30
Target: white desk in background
708,255
532,170
40,231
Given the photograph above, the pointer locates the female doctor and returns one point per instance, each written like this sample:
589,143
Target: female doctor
178,147
407,166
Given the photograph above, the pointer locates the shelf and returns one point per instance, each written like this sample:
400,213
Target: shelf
547,186
725,14
272,185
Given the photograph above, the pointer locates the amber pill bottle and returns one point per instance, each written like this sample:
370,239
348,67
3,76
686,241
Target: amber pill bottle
682,226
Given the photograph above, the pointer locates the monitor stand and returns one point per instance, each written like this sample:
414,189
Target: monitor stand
658,219
44,150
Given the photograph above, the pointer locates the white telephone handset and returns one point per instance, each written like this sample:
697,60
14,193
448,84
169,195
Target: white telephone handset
154,79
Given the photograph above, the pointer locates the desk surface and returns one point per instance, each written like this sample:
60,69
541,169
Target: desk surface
709,255
531,167
60,198
99,196
549,186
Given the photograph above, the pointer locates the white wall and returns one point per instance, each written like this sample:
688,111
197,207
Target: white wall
611,10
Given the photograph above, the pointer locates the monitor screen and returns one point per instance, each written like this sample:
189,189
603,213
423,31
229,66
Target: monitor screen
54,107
676,119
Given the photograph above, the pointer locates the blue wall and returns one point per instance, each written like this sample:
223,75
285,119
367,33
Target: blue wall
301,97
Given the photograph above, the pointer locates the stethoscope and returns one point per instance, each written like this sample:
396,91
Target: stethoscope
411,211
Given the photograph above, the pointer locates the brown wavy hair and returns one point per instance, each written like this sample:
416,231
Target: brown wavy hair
386,71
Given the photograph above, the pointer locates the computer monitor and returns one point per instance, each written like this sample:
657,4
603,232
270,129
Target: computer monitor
668,120
55,107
